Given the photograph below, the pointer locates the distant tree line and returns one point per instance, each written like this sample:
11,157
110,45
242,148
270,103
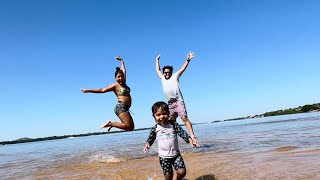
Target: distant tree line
26,139
300,109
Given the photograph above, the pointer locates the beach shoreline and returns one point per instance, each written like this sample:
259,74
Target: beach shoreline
278,163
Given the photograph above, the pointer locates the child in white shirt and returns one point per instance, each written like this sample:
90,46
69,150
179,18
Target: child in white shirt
166,131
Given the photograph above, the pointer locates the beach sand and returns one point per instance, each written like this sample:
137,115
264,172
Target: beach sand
279,163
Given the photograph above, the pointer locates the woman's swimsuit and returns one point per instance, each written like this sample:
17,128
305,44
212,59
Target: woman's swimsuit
123,91
120,106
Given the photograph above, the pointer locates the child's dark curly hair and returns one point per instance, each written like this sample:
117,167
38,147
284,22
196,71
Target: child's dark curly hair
159,105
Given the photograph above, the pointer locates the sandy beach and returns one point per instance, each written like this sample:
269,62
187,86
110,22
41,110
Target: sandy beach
281,163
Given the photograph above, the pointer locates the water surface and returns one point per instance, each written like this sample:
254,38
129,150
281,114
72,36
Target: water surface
282,147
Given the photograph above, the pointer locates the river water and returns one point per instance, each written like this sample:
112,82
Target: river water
282,147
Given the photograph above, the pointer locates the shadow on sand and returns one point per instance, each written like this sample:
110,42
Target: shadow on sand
206,177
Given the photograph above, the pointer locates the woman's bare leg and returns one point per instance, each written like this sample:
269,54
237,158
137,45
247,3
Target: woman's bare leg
107,125
126,122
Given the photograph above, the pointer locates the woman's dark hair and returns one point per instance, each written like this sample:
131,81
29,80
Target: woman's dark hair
167,67
118,70
159,104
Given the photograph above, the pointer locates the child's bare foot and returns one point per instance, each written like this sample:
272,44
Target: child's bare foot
107,124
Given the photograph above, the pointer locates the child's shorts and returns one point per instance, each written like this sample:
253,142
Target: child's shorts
167,163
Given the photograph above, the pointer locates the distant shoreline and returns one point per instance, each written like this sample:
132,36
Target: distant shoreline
301,109
27,140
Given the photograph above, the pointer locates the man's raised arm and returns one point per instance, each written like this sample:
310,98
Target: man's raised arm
158,67
185,65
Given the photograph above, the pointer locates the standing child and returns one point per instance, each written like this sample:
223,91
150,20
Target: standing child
165,131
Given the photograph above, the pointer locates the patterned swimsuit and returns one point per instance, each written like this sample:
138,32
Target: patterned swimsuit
168,149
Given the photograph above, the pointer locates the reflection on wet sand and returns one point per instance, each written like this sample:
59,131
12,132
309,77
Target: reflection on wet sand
280,163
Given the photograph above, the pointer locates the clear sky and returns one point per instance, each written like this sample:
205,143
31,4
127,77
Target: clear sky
251,57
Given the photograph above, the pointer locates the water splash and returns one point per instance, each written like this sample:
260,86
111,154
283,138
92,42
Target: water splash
151,177
101,157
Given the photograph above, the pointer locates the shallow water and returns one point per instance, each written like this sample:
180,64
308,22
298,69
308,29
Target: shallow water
283,147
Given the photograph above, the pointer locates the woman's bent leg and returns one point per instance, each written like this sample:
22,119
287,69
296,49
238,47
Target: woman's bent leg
126,122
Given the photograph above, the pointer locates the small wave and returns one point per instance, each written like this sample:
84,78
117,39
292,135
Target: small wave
306,151
100,157
286,148
203,148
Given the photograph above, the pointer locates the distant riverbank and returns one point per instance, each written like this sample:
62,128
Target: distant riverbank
301,109
26,139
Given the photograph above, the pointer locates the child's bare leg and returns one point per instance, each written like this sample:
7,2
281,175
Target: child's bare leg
168,176
180,167
181,173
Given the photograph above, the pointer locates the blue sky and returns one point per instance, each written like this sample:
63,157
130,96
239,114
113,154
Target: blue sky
251,57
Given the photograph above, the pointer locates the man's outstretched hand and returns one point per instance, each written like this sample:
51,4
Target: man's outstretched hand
190,55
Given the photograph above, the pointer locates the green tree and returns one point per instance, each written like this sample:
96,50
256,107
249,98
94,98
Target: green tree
308,107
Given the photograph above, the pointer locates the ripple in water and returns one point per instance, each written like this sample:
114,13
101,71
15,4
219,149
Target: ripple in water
286,148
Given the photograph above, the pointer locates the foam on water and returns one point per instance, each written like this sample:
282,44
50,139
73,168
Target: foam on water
151,177
101,157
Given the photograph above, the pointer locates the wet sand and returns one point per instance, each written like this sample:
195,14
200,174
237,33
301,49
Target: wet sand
285,163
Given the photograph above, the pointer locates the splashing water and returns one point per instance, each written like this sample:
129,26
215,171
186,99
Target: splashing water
151,177
100,157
